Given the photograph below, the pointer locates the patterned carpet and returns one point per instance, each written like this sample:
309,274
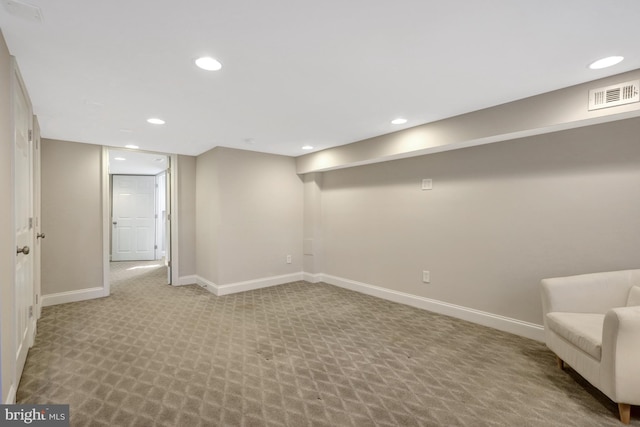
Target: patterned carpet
298,354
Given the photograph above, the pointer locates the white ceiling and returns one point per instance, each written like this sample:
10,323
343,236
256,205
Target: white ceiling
298,72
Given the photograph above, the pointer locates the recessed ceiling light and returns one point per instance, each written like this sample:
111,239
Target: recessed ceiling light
119,158
398,121
606,62
307,147
155,121
133,147
159,159
208,63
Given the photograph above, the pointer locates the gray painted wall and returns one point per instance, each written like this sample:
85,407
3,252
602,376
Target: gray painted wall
207,215
71,216
249,213
187,214
500,217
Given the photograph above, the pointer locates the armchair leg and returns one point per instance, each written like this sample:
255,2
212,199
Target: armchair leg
625,412
560,363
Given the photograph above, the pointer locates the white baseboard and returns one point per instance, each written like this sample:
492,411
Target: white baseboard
507,324
502,323
72,296
187,280
249,285
11,397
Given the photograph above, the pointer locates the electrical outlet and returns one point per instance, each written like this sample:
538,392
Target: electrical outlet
426,276
288,259
427,184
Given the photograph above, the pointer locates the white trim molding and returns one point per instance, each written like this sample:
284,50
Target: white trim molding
106,221
11,396
502,323
249,285
73,296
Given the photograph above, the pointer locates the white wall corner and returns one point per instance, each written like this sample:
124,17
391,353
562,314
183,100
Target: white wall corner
187,280
502,323
73,296
207,284
312,278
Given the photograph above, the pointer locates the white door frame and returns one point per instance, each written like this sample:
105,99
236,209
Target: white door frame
161,215
37,220
172,183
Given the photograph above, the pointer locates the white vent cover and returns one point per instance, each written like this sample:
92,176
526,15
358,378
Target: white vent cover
23,10
610,96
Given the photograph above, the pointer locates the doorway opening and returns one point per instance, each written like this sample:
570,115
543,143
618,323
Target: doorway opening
139,229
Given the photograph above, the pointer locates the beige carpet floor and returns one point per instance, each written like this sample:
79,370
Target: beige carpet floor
298,354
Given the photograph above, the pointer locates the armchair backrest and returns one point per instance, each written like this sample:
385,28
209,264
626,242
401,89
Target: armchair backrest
588,293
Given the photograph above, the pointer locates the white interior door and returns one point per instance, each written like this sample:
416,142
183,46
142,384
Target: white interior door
23,205
133,218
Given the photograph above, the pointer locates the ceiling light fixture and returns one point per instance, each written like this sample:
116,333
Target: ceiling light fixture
155,121
131,146
606,62
119,158
398,121
307,147
208,63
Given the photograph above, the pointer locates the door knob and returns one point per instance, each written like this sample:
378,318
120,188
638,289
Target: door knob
24,250
40,235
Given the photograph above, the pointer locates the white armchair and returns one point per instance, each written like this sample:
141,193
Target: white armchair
592,323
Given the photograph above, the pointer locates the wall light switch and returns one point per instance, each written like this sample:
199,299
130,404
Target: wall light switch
288,259
427,184
426,276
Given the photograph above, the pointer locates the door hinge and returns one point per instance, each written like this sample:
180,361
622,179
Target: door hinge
30,223
169,217
30,311
30,135
156,216
36,299
169,264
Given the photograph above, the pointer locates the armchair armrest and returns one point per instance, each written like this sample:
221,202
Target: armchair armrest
620,366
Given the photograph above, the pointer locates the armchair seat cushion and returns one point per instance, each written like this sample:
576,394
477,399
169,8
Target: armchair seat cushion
583,330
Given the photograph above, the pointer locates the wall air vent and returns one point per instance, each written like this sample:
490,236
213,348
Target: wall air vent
611,96
23,10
